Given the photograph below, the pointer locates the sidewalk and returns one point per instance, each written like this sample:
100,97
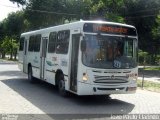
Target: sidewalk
152,79
149,75
7,62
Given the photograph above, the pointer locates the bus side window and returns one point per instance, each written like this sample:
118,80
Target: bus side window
52,42
21,47
37,43
31,43
62,42
34,43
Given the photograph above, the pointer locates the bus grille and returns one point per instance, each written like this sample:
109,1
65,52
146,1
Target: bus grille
111,80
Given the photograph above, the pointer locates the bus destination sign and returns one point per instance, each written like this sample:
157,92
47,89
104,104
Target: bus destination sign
109,29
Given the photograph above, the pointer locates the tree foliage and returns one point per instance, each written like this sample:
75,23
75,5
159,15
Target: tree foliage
143,14
13,25
22,2
10,29
42,13
9,46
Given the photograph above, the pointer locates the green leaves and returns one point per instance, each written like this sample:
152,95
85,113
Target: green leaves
143,14
156,29
40,13
10,29
9,45
22,2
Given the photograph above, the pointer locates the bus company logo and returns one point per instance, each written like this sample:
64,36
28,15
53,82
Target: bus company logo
54,58
112,77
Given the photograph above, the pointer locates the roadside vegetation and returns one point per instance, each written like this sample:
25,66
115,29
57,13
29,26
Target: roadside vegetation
37,14
152,68
148,85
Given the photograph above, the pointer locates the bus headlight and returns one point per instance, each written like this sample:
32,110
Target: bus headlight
85,77
135,77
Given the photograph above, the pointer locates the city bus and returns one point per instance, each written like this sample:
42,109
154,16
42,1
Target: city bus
84,57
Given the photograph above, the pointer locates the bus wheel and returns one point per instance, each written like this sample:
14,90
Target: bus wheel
108,97
61,86
30,76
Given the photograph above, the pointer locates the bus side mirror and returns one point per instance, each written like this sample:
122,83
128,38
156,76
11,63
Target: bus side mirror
83,45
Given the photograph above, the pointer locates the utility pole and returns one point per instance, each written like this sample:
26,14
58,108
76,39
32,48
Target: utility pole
143,72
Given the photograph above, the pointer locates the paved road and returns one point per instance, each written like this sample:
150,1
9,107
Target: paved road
18,96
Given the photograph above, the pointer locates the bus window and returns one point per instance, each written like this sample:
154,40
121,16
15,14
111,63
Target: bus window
119,49
21,44
52,42
62,42
37,43
31,43
129,48
34,43
107,50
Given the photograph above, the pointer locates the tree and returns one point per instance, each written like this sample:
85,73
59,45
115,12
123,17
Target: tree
40,13
22,2
9,46
14,24
109,10
142,14
156,37
11,28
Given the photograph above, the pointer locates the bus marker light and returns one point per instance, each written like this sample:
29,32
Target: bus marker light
85,77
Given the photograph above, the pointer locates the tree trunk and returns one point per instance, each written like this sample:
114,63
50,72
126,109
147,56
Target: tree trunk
15,56
11,56
3,55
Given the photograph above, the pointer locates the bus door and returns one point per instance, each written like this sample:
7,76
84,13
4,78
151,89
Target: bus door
25,57
43,57
74,62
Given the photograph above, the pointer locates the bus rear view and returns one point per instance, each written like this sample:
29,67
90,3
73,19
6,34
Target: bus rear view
108,59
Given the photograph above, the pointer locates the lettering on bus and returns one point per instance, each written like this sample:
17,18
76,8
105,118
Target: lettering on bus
109,29
97,28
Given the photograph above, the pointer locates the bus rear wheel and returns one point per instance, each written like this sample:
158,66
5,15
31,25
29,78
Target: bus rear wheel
30,75
61,86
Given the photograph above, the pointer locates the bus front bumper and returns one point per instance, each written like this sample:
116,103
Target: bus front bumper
91,89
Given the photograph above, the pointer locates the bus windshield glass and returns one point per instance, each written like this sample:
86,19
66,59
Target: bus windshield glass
110,52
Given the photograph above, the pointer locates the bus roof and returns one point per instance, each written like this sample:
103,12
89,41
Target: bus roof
78,22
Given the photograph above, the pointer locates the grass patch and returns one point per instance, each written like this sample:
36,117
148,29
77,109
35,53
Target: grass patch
152,68
148,85
7,59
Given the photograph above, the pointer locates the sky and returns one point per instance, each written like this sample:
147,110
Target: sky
7,7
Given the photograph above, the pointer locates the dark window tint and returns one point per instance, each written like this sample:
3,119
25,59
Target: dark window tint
31,43
62,42
34,43
21,44
52,42
37,43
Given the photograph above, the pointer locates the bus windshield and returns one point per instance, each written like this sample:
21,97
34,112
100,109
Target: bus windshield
110,52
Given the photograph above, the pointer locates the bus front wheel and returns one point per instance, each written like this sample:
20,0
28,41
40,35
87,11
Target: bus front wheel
30,75
61,86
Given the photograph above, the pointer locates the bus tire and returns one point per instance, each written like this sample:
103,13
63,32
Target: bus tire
61,86
30,75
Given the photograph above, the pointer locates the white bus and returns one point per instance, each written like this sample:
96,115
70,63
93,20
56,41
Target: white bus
84,57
